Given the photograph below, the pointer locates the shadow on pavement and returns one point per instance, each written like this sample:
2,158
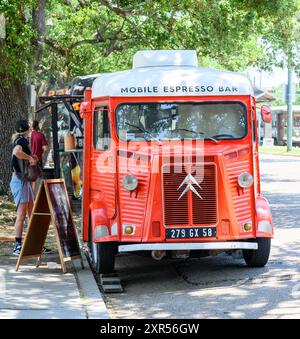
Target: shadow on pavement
214,287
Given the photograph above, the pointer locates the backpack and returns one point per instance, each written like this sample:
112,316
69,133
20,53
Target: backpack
28,172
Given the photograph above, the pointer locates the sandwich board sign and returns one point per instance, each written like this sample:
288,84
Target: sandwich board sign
52,206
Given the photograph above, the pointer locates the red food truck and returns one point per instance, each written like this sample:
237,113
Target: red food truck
171,163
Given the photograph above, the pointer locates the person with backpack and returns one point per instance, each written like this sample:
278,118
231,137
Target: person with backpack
24,172
21,189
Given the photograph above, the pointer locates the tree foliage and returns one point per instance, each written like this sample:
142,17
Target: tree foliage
55,40
15,50
89,36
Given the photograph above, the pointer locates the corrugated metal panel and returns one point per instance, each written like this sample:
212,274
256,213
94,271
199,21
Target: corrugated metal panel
176,212
204,211
242,203
103,179
133,204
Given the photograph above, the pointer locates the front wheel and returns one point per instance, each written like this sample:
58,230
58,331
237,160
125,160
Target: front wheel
103,257
259,257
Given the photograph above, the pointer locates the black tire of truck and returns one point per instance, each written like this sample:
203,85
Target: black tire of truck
259,257
103,257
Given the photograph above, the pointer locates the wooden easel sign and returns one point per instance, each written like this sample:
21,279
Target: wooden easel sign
52,205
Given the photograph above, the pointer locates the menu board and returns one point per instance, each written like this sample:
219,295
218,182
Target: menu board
63,219
52,206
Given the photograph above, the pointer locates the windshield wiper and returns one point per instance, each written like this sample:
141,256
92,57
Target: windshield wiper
199,132
144,131
224,135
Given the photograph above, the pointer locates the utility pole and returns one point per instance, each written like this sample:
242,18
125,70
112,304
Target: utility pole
290,109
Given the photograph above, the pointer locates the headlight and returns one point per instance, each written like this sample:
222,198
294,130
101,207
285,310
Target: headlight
130,182
245,180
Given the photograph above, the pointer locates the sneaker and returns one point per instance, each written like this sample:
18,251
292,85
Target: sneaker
46,251
17,249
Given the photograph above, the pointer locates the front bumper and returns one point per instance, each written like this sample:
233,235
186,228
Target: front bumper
230,245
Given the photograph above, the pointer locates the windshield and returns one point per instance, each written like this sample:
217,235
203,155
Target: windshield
180,121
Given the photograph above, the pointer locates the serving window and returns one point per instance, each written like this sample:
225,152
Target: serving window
101,133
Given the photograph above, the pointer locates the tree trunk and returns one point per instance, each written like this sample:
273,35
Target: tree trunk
13,107
40,25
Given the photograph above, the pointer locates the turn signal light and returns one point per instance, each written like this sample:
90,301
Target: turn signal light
128,230
247,226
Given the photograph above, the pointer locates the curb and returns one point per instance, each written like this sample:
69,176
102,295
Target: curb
90,295
282,155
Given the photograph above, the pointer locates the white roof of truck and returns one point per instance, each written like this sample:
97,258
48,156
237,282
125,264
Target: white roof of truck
170,73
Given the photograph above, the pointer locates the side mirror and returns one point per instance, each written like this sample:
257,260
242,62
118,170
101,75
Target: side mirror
85,106
85,109
266,114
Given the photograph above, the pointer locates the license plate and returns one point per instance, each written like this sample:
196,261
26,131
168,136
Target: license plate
188,233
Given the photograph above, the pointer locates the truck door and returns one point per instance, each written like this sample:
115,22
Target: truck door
103,164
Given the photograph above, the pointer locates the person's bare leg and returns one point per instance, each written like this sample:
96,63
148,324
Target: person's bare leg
34,186
21,215
29,209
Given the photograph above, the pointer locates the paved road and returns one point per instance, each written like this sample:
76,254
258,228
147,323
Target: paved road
222,287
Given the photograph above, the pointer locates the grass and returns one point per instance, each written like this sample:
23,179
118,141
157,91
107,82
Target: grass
7,216
280,150
7,220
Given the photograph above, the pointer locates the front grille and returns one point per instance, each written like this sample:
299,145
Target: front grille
190,209
176,211
205,211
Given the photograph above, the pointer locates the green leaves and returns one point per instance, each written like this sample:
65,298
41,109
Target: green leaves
94,36
16,50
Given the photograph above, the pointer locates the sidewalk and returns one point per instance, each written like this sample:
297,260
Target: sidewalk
45,293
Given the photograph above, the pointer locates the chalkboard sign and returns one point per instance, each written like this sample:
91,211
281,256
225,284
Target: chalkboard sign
63,219
52,205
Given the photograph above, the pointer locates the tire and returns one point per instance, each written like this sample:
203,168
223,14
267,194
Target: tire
103,257
102,254
259,257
